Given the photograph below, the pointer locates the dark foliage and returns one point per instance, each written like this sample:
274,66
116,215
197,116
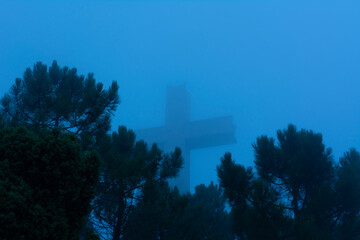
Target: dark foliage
165,214
59,97
129,170
298,191
256,211
46,184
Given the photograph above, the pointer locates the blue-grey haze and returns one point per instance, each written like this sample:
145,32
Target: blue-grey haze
267,63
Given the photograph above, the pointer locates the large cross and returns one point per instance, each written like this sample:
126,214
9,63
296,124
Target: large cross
179,131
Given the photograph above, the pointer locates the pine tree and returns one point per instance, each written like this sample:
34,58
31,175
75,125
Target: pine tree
59,97
129,170
46,184
298,191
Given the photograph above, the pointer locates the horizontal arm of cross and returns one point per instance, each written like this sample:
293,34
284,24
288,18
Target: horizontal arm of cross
210,132
192,134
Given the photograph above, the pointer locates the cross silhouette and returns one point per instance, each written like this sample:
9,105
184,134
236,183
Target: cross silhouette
180,131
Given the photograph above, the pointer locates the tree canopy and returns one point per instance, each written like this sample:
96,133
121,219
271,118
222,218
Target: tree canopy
130,169
59,97
298,192
51,179
46,184
165,214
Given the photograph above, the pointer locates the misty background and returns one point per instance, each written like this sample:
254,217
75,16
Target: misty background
266,63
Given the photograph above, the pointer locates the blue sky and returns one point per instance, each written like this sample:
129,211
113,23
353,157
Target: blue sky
267,63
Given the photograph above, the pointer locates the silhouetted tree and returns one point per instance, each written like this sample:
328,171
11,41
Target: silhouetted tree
159,214
301,168
256,208
129,169
298,192
59,97
347,189
165,214
205,216
46,184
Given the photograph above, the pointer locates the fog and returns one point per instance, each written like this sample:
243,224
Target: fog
265,63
